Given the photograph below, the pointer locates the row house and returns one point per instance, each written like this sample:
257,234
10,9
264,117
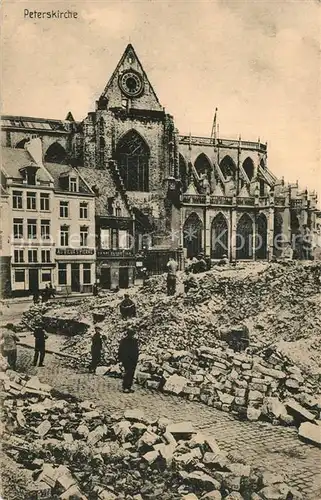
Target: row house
48,225
115,229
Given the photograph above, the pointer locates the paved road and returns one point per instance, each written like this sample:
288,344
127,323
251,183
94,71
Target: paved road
262,445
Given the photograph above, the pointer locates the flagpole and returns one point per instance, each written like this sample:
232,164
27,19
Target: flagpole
238,166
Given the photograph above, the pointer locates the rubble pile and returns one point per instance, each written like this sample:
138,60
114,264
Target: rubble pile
255,387
74,451
173,333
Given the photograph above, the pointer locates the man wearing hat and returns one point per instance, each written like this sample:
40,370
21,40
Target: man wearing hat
128,353
9,345
96,348
40,344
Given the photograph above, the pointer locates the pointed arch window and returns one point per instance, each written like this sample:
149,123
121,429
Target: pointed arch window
228,167
56,153
132,155
248,167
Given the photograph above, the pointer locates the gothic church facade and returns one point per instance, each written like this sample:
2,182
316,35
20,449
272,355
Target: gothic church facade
175,193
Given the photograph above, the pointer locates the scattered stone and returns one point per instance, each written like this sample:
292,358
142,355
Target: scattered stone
311,432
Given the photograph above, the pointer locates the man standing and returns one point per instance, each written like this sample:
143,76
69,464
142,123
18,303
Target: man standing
128,353
40,345
172,267
127,307
9,346
96,348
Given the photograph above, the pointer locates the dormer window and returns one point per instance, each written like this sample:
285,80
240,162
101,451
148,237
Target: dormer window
73,184
29,174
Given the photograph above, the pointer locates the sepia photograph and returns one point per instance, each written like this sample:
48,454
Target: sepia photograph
160,250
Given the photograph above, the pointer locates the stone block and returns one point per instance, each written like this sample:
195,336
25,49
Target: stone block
275,492
253,414
212,445
102,370
292,384
299,412
149,438
134,415
202,480
43,428
225,398
255,396
212,495
311,432
180,428
175,384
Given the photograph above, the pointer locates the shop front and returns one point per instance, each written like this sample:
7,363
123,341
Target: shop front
115,269
75,270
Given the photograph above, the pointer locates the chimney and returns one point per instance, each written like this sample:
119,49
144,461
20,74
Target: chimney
34,148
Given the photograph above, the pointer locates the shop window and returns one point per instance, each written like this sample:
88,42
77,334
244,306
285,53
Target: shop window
17,199
32,256
64,209
19,276
17,228
123,239
87,274
18,256
31,201
44,201
62,274
105,238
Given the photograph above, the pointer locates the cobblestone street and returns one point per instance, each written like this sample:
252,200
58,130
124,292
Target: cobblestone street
274,448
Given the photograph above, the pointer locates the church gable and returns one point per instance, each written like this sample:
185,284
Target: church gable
129,86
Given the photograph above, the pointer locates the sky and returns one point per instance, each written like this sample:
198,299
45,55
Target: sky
257,61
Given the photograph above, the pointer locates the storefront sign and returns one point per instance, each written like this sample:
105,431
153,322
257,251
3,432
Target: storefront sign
114,253
75,251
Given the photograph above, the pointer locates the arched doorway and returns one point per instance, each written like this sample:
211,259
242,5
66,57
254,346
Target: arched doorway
132,156
261,238
219,237
248,167
183,173
228,167
56,153
244,238
192,234
277,234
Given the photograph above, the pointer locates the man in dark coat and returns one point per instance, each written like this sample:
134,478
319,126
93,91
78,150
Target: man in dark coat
128,353
40,345
127,307
96,348
200,265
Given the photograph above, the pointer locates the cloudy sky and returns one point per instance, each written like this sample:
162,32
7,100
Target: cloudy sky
258,61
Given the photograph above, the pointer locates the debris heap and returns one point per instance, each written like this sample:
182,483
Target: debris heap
73,450
183,337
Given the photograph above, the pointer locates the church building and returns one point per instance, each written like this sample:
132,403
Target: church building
162,191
